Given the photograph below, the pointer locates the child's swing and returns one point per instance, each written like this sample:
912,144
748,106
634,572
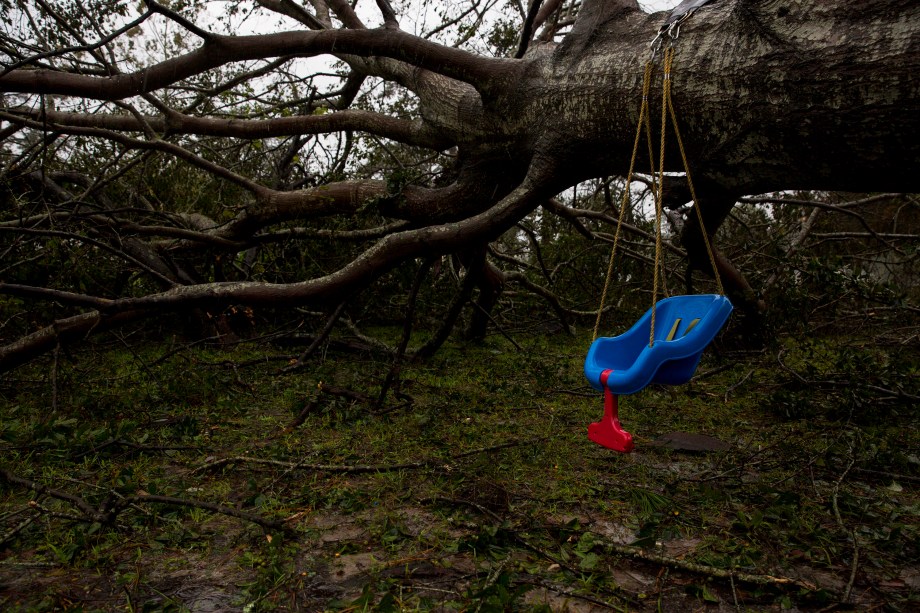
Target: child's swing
670,353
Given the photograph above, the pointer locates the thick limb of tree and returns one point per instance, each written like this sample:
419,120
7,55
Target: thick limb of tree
449,319
374,262
491,283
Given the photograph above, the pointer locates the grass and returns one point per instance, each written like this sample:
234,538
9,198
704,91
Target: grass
505,504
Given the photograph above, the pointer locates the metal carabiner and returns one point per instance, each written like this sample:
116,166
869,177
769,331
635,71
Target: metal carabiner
671,28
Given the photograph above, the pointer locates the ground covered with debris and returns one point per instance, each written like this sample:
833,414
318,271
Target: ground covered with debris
201,479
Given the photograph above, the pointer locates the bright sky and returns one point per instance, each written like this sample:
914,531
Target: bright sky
658,5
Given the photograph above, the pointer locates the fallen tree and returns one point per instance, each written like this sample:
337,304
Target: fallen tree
772,95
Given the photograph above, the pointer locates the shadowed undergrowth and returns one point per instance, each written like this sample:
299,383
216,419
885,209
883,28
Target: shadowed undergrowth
194,482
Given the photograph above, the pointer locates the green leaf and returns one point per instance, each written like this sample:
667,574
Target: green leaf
589,561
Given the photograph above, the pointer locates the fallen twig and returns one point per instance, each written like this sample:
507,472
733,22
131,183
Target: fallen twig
492,579
495,447
338,392
87,510
208,506
10,534
358,468
569,593
336,468
322,336
591,394
498,327
57,515
882,473
703,569
855,562
711,372
895,394
301,417
738,384
135,446
392,378
110,508
526,544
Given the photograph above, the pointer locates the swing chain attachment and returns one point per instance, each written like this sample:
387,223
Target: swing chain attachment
670,29
669,32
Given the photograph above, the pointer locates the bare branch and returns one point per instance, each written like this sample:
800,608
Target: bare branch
156,7
159,145
399,130
528,27
478,71
76,48
389,15
562,312
570,213
840,208
294,11
43,293
322,336
61,332
344,11
85,239
393,374
545,11
357,274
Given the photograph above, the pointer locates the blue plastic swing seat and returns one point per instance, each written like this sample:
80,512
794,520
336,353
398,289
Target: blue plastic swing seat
684,327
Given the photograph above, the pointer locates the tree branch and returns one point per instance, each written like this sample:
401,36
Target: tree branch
528,27
344,11
843,208
294,11
355,275
389,15
43,490
400,130
156,7
268,524
44,293
322,336
108,511
157,145
480,72
90,241
76,48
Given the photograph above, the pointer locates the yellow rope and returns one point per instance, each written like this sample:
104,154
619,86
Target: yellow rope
652,171
665,96
696,202
643,113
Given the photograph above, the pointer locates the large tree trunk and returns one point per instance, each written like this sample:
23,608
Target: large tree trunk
771,94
